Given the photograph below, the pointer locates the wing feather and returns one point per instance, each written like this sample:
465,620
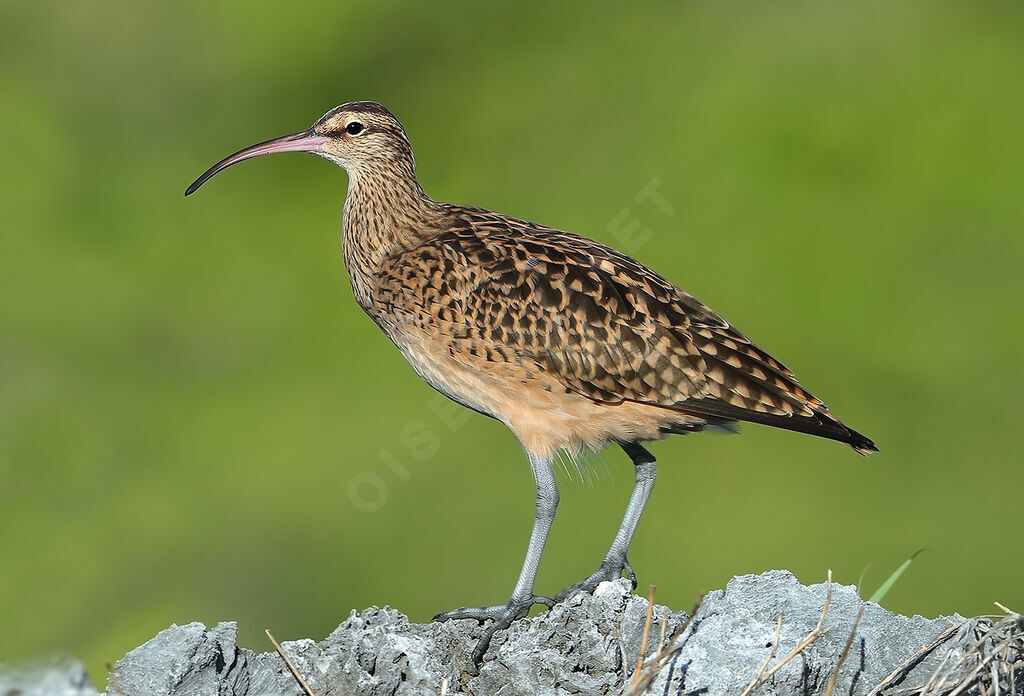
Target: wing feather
608,328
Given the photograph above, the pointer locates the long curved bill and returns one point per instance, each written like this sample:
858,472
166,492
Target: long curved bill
303,141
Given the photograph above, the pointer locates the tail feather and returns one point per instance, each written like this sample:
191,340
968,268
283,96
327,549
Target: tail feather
823,424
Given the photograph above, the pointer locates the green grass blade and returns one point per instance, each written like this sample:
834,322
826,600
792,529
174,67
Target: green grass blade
860,580
880,593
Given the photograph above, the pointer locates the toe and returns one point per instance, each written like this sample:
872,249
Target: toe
629,573
516,609
607,571
503,617
477,613
571,590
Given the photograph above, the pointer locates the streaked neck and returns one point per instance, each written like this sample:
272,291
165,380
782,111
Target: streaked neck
386,213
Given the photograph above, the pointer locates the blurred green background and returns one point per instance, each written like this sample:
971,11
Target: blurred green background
198,423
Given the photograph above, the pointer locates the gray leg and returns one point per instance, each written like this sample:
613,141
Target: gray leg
615,561
544,515
522,595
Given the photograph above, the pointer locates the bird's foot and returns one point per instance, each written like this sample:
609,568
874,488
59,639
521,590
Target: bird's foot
501,616
610,569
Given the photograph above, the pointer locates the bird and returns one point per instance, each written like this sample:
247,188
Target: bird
571,344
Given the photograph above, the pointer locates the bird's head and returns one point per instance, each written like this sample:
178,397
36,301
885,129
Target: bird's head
362,137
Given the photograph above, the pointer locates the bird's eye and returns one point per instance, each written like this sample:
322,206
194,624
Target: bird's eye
354,128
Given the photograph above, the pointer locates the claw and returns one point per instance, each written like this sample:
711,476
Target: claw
607,571
485,640
630,574
502,616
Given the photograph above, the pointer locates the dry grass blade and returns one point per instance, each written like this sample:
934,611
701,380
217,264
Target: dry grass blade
647,629
289,663
983,655
112,679
664,625
644,677
828,601
756,681
816,633
898,674
846,651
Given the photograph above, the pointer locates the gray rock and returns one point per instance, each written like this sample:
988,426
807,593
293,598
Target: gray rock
734,632
586,645
57,676
184,660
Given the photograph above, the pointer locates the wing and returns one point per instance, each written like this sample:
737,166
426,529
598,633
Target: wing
609,328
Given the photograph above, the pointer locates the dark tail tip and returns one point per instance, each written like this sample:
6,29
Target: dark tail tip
858,442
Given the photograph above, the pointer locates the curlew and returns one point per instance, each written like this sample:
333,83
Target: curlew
566,341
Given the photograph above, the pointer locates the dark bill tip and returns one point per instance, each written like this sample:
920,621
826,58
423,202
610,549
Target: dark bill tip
303,141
